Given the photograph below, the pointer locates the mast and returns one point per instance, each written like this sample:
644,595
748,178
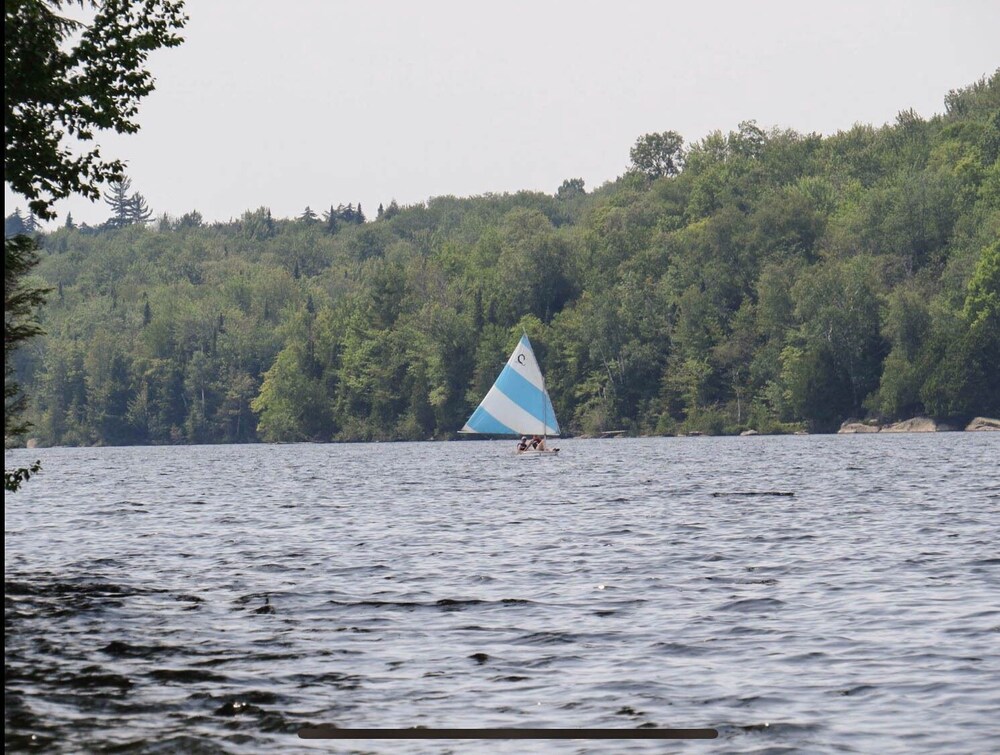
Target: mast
545,414
545,393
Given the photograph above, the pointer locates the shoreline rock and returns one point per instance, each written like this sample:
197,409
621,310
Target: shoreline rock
854,426
981,424
915,425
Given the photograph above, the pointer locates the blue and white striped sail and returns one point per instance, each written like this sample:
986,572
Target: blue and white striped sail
518,403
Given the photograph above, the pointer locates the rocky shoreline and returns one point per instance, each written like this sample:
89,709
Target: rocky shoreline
918,425
851,426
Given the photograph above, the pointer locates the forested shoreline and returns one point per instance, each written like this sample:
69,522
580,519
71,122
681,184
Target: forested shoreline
756,279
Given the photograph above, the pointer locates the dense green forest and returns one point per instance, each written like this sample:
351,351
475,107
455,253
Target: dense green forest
759,279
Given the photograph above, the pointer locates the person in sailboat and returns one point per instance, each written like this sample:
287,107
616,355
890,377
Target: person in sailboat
522,445
538,443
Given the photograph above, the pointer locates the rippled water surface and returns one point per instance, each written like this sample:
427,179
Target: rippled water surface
218,598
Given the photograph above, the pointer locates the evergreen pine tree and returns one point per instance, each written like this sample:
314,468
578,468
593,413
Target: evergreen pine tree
31,223
14,224
118,199
332,223
69,221
191,219
139,211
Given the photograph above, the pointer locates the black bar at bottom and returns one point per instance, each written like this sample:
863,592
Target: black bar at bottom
332,732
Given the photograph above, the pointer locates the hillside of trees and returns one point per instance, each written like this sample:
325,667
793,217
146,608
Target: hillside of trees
756,279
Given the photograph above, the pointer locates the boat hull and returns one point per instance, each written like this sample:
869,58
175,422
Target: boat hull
534,453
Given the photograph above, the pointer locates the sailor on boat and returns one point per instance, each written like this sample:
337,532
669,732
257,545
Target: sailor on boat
537,443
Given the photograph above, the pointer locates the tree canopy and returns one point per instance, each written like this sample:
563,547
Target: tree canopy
771,280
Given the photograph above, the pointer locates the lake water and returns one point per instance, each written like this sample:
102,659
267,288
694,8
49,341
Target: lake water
218,598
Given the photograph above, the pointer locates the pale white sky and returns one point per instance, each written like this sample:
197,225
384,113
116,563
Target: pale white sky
320,102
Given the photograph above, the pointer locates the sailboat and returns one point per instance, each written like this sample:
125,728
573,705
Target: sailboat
518,403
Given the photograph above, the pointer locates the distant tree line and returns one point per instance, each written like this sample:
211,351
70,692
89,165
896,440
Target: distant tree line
756,279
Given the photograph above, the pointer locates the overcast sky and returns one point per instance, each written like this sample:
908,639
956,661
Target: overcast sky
323,102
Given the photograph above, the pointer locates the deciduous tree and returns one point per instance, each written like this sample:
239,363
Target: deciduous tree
65,80
658,155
